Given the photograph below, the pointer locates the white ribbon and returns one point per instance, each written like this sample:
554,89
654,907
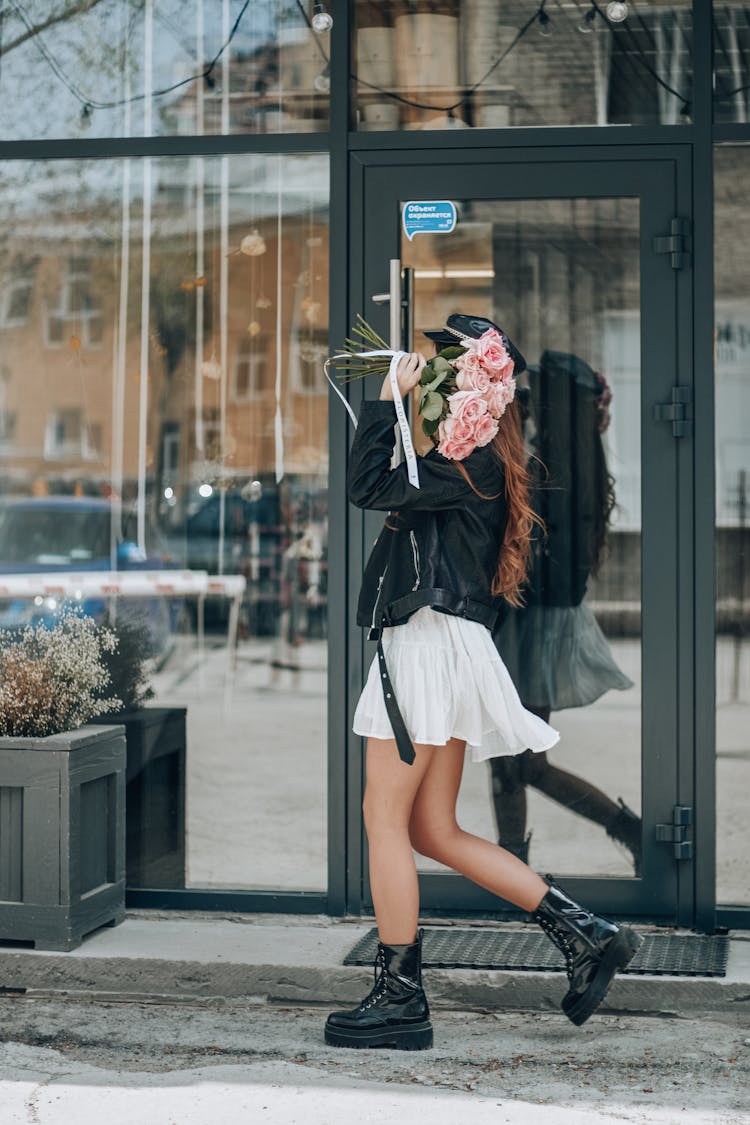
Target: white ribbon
403,425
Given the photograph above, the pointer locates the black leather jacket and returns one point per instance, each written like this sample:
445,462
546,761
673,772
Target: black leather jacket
440,543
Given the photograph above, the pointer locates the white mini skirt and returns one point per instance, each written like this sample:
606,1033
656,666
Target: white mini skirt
450,682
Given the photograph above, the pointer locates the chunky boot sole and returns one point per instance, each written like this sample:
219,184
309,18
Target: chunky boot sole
620,952
415,1038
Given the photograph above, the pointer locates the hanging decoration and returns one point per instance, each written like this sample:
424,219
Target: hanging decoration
253,245
278,420
200,238
211,368
223,293
120,348
148,57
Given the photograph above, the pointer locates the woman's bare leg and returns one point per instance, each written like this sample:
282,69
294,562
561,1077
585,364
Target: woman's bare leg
434,832
389,795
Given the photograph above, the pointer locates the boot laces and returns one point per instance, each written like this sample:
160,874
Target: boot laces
380,986
562,941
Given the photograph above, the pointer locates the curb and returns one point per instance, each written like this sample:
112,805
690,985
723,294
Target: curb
299,961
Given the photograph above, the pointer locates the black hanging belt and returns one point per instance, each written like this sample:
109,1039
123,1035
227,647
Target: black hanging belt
400,733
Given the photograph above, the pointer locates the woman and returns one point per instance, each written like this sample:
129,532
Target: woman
553,646
450,552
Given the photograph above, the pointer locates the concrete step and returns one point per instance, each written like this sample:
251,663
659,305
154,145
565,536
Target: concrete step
299,960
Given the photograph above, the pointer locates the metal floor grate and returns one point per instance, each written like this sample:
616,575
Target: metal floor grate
692,955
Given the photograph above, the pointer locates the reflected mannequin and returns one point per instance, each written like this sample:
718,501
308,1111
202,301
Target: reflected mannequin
553,646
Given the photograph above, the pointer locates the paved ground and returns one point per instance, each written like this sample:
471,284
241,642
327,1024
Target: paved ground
74,1063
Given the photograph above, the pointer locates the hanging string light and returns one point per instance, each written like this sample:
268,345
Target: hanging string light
588,23
90,104
322,81
544,21
322,19
617,11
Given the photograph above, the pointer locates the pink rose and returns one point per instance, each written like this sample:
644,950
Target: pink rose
470,374
456,438
493,355
467,405
485,429
499,396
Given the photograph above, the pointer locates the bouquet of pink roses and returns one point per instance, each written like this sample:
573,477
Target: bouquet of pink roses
465,390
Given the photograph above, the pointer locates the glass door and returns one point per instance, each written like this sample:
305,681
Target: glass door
574,261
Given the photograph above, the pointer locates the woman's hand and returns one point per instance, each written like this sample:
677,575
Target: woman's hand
408,373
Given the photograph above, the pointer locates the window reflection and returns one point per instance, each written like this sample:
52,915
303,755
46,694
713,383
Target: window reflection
562,277
455,64
731,38
732,312
129,68
163,455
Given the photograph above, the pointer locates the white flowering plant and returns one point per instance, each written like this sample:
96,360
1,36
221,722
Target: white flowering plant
130,662
55,679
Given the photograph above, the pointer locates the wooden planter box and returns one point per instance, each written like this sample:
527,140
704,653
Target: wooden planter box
155,795
62,836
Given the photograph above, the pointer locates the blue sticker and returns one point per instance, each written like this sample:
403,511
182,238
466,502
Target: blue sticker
431,216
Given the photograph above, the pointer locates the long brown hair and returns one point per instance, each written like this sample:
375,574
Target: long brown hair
515,551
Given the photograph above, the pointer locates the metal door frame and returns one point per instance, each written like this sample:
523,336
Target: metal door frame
661,178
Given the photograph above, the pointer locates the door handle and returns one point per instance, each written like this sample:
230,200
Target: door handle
394,330
399,298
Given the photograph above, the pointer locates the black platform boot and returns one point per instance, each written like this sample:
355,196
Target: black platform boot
395,1013
594,950
520,850
627,829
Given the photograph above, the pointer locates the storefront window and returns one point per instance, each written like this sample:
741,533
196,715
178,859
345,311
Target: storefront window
731,24
732,168
562,276
453,64
158,419
132,68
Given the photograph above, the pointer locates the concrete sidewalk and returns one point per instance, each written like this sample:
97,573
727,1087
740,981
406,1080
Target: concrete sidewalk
299,960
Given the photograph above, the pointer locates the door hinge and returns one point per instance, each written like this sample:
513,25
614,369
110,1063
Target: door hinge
675,833
677,243
677,411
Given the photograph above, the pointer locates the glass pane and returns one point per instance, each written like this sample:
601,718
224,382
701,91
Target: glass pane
453,64
129,68
561,276
731,24
157,419
732,167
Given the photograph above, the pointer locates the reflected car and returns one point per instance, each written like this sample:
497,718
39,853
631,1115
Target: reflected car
66,533
251,545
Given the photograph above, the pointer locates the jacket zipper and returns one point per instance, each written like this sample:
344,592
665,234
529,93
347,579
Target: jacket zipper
377,598
415,554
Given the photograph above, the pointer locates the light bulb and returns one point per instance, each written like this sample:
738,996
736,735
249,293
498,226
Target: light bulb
545,23
322,81
617,11
586,26
322,20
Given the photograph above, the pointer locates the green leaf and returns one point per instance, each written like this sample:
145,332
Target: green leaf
433,386
440,365
433,406
451,352
430,425
428,373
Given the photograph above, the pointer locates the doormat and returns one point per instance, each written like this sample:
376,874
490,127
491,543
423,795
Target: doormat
686,955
